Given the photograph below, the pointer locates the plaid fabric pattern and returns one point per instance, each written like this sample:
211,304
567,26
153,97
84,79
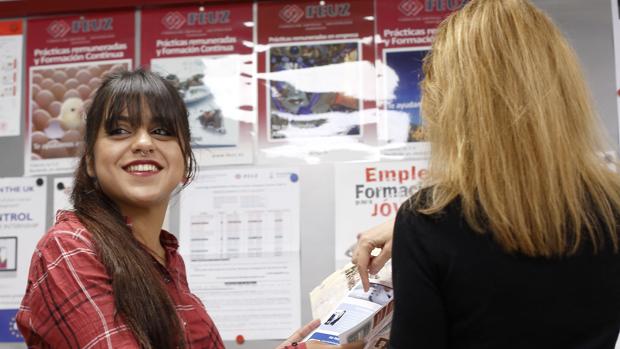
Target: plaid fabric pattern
69,301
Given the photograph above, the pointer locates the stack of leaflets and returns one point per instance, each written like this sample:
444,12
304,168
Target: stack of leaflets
348,314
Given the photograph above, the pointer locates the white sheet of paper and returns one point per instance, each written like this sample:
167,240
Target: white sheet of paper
239,236
10,84
22,223
372,193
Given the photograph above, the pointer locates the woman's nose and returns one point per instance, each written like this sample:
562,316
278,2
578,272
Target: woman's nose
143,141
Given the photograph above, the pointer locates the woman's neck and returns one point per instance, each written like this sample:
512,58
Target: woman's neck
146,227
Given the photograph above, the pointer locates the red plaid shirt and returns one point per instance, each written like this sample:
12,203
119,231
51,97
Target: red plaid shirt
69,301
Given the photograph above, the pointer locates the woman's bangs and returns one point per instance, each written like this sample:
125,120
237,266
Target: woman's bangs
124,104
131,100
164,110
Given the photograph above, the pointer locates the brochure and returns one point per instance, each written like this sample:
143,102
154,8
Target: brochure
350,314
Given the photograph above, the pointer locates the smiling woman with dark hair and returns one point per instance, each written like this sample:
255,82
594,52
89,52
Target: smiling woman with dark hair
106,275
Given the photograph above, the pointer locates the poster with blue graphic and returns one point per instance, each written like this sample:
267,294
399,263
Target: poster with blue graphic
316,79
403,105
22,223
405,32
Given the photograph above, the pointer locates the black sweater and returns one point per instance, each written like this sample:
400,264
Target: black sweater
455,288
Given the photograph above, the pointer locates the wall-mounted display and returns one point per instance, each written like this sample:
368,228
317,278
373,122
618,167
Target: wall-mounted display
208,55
67,57
11,68
315,80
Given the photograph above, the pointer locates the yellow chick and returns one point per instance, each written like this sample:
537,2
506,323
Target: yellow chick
71,113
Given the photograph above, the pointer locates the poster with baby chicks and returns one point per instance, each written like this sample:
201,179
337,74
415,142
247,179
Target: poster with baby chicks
207,53
67,58
405,30
316,80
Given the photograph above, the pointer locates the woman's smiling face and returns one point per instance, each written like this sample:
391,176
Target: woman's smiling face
137,166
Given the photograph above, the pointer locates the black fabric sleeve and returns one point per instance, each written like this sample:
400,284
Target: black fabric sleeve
419,317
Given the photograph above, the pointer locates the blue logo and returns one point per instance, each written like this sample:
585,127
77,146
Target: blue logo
294,177
8,327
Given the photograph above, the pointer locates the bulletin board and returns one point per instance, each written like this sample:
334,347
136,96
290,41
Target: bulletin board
316,99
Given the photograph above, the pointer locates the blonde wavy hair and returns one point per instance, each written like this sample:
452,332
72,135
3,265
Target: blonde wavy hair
514,134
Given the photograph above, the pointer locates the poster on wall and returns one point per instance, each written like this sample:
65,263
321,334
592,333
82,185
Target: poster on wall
316,80
11,49
208,55
22,223
241,249
405,30
67,58
372,193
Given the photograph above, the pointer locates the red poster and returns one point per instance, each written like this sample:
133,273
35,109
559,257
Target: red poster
208,54
13,27
316,79
11,67
405,30
67,57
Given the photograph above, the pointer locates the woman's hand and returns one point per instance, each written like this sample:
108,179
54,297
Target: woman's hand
379,236
301,333
304,331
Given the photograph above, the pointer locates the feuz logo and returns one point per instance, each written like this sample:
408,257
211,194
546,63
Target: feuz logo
410,7
58,29
173,20
291,13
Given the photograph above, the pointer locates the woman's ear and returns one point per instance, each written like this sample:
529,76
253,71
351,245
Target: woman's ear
185,180
90,166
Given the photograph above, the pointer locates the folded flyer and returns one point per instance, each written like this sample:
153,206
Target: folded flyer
348,314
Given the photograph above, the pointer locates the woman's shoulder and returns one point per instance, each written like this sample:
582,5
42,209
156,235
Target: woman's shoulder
67,230
415,225
417,205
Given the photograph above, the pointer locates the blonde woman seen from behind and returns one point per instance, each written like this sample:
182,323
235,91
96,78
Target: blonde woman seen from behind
513,242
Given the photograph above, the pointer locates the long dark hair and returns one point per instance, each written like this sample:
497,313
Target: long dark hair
140,296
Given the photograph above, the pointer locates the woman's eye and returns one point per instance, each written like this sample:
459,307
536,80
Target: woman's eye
161,132
118,131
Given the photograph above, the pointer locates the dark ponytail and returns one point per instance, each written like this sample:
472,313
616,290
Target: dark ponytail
140,295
